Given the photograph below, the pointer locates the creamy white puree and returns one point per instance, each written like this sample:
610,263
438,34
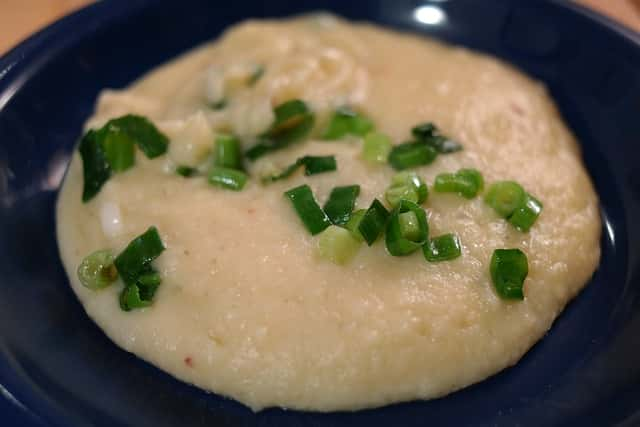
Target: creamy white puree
246,308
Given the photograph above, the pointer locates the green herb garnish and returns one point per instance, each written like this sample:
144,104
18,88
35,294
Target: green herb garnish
466,182
341,202
337,245
411,154
430,135
373,222
96,169
228,178
97,271
408,186
228,153
345,121
509,269
442,248
305,205
526,215
407,229
312,165
110,149
293,122
376,147
134,266
505,197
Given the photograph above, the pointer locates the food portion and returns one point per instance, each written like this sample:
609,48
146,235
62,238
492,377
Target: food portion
323,215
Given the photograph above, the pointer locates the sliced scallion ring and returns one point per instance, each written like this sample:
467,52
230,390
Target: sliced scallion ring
305,205
97,271
340,203
442,248
509,268
407,229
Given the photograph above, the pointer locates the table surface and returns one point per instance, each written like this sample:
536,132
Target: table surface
19,18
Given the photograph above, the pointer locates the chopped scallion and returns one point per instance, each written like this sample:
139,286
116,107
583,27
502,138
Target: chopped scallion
376,147
227,152
293,122
95,166
466,182
231,179
110,149
118,148
373,222
130,298
312,165
406,185
137,256
524,216
337,245
341,202
505,197
148,138
442,248
430,135
318,164
509,268
97,271
411,154
305,205
345,121
354,223
407,229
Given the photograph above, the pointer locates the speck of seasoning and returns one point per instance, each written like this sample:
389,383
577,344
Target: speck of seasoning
188,361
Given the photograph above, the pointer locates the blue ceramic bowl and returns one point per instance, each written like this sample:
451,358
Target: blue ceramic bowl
57,368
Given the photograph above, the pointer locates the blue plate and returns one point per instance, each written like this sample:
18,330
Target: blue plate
58,368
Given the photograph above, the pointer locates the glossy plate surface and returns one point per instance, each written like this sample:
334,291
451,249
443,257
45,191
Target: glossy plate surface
58,369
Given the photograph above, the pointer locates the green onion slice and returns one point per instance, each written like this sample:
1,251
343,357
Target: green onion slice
406,185
312,165
118,148
111,149
96,169
346,121
137,256
407,229
509,268
505,197
231,179
293,123
227,152
97,271
354,223
148,138
442,248
411,154
373,222
130,298
186,171
466,182
526,215
305,205
376,147
430,135
341,202
318,164
258,71
337,245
